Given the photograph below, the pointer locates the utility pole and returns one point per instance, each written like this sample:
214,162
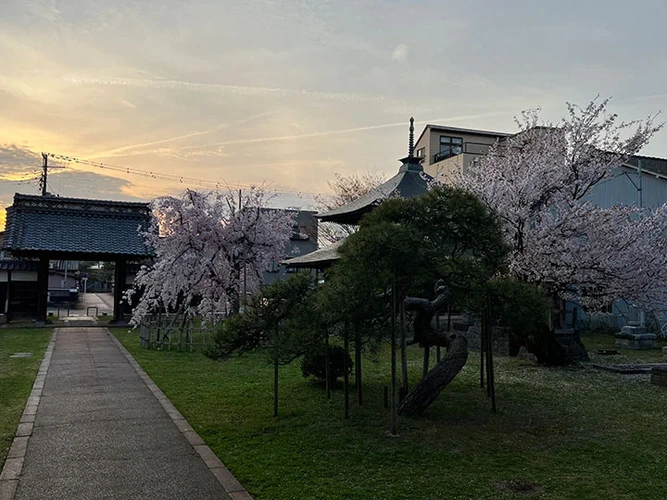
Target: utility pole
45,172
45,167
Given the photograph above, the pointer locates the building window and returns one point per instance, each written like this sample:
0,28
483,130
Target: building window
273,267
420,152
449,146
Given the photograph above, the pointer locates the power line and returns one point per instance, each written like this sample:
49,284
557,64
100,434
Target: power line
173,178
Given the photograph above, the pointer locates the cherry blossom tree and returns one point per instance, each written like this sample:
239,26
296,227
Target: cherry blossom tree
539,181
344,189
210,248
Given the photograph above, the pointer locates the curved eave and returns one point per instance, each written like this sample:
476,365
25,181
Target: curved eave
406,184
352,217
319,259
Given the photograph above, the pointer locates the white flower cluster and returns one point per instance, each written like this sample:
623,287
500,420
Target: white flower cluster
538,181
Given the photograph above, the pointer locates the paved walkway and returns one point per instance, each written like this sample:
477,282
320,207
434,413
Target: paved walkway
103,430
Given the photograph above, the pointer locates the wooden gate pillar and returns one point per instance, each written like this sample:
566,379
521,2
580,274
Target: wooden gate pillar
42,287
120,279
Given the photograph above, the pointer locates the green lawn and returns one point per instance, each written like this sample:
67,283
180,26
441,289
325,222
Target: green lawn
17,376
560,433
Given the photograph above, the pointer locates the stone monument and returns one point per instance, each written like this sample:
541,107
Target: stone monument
634,336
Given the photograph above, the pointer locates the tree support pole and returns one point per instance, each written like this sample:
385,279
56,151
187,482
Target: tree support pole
327,366
275,376
404,350
346,369
491,386
394,406
437,348
275,388
427,355
482,349
489,350
357,362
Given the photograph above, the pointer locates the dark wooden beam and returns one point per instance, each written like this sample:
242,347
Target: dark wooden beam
119,288
42,287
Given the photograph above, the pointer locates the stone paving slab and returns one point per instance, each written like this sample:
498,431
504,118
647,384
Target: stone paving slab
108,439
94,428
123,479
96,406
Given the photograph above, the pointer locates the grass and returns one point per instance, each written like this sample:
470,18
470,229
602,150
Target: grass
17,376
602,341
559,433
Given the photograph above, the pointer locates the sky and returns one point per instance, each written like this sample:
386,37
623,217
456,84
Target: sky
286,93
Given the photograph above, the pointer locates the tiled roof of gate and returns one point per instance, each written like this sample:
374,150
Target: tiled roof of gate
53,224
18,265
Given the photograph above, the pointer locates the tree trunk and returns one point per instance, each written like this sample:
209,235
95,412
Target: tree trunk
427,390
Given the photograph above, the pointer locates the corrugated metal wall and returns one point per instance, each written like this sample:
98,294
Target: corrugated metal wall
623,190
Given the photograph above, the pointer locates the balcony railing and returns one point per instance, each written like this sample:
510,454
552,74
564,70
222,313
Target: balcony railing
473,148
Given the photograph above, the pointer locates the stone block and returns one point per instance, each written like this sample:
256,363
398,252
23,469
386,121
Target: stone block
636,341
633,330
8,489
526,354
569,340
659,376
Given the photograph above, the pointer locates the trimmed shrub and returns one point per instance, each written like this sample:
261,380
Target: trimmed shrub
313,363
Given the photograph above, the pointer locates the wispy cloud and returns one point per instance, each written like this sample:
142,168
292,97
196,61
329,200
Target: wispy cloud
244,90
125,149
348,130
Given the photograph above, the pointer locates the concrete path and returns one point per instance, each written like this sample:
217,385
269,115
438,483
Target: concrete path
103,430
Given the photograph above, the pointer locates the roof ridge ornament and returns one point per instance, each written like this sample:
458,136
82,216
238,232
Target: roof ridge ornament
411,162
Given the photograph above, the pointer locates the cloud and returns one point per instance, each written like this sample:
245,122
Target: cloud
400,53
243,90
73,184
11,154
18,163
255,140
169,151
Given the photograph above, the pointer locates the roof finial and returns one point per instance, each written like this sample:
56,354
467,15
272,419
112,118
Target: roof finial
411,146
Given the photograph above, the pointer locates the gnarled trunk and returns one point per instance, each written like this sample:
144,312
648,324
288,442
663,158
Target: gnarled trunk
428,389
427,335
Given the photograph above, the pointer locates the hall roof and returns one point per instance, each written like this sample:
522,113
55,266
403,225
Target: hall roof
57,226
319,259
410,181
